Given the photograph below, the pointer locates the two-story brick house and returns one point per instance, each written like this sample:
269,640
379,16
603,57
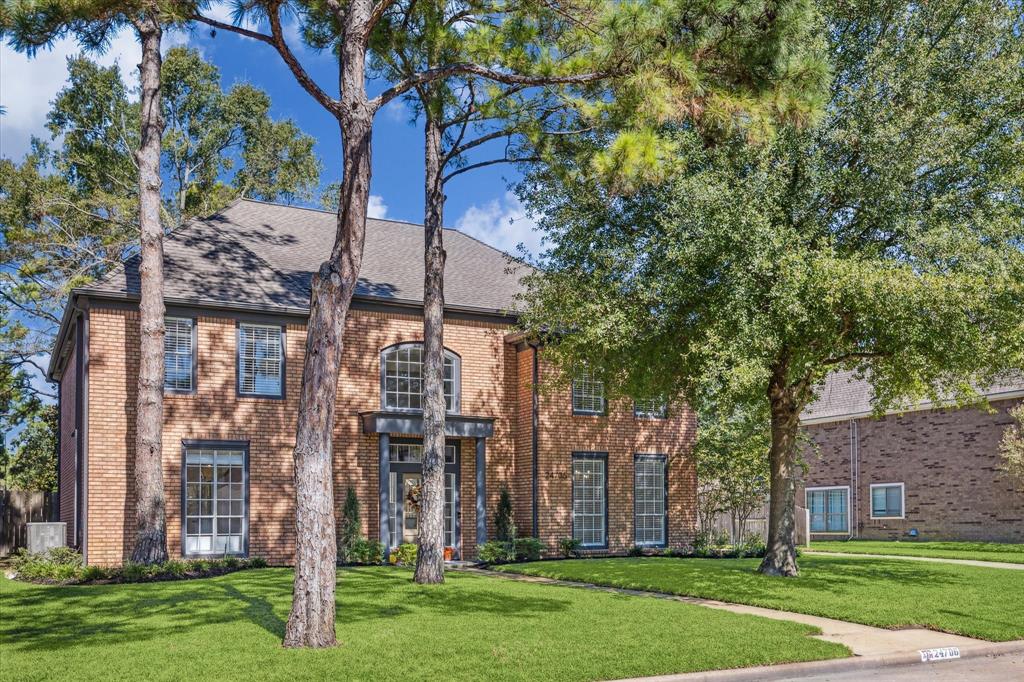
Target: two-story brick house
925,471
237,288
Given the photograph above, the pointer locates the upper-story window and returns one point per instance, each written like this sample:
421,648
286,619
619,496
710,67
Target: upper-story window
260,360
179,355
587,394
650,409
401,378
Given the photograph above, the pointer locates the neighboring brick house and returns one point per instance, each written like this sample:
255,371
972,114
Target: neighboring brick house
237,288
927,472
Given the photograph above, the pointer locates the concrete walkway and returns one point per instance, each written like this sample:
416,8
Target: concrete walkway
935,560
862,640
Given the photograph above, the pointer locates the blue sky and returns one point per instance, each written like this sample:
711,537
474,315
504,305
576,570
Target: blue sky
478,202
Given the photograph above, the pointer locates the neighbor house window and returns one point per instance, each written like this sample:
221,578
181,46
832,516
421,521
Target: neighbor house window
650,409
260,360
215,499
402,380
887,501
649,517
179,354
587,394
589,498
828,507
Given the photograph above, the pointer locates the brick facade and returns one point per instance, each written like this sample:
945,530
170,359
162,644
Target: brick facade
496,382
947,460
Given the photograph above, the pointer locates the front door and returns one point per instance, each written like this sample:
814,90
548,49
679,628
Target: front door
410,526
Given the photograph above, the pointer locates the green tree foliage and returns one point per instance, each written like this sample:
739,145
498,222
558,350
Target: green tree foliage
1011,447
885,239
69,212
731,454
32,464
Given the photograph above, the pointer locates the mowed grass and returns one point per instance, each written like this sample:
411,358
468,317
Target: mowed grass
471,628
978,551
987,603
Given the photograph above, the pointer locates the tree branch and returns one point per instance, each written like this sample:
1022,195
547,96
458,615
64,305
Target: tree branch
492,162
469,69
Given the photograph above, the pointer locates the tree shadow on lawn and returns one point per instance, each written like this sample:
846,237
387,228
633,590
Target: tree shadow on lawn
46,618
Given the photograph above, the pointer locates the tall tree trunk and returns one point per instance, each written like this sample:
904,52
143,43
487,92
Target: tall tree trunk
780,556
430,555
150,515
311,621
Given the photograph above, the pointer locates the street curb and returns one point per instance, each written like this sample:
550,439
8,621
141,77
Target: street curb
839,665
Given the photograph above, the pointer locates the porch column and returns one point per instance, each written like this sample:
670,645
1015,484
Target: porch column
384,465
481,491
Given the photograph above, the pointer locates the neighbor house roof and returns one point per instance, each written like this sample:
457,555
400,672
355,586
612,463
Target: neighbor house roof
264,255
844,396
255,255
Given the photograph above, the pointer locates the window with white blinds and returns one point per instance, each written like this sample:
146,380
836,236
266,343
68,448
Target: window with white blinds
650,409
589,499
260,360
587,394
649,500
178,354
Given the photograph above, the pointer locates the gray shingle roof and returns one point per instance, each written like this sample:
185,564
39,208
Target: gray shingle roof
843,396
262,254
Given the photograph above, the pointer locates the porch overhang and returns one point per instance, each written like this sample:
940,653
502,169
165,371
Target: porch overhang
455,425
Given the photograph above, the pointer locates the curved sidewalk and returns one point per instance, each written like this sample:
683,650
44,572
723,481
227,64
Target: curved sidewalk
936,560
862,640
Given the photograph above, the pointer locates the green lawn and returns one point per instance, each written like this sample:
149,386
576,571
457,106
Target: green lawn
978,602
471,628
979,551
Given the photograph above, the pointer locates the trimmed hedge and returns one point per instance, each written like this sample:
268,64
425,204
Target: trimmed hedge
63,566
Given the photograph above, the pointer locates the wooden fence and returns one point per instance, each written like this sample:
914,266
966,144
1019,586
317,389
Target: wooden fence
17,508
757,524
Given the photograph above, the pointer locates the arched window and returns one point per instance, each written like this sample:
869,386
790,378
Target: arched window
401,378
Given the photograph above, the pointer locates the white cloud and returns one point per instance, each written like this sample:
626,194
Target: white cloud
397,111
27,86
376,208
504,224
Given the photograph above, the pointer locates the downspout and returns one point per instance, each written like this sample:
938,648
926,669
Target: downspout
854,478
54,510
535,428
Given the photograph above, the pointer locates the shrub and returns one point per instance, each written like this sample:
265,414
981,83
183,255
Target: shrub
60,564
133,572
528,549
752,546
174,568
404,554
570,547
362,551
496,552
93,573
349,531
506,529
231,562
259,562
635,550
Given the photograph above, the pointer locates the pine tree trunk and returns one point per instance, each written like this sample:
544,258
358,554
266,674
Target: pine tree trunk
430,554
780,556
151,524
311,621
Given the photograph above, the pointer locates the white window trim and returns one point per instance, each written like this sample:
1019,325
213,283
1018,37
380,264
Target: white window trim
281,367
820,488
903,500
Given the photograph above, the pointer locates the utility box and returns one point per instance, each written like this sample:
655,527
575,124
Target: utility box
43,537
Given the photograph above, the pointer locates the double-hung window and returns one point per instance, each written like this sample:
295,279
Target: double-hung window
179,355
829,509
215,498
650,409
649,518
260,360
590,498
402,380
887,501
587,394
